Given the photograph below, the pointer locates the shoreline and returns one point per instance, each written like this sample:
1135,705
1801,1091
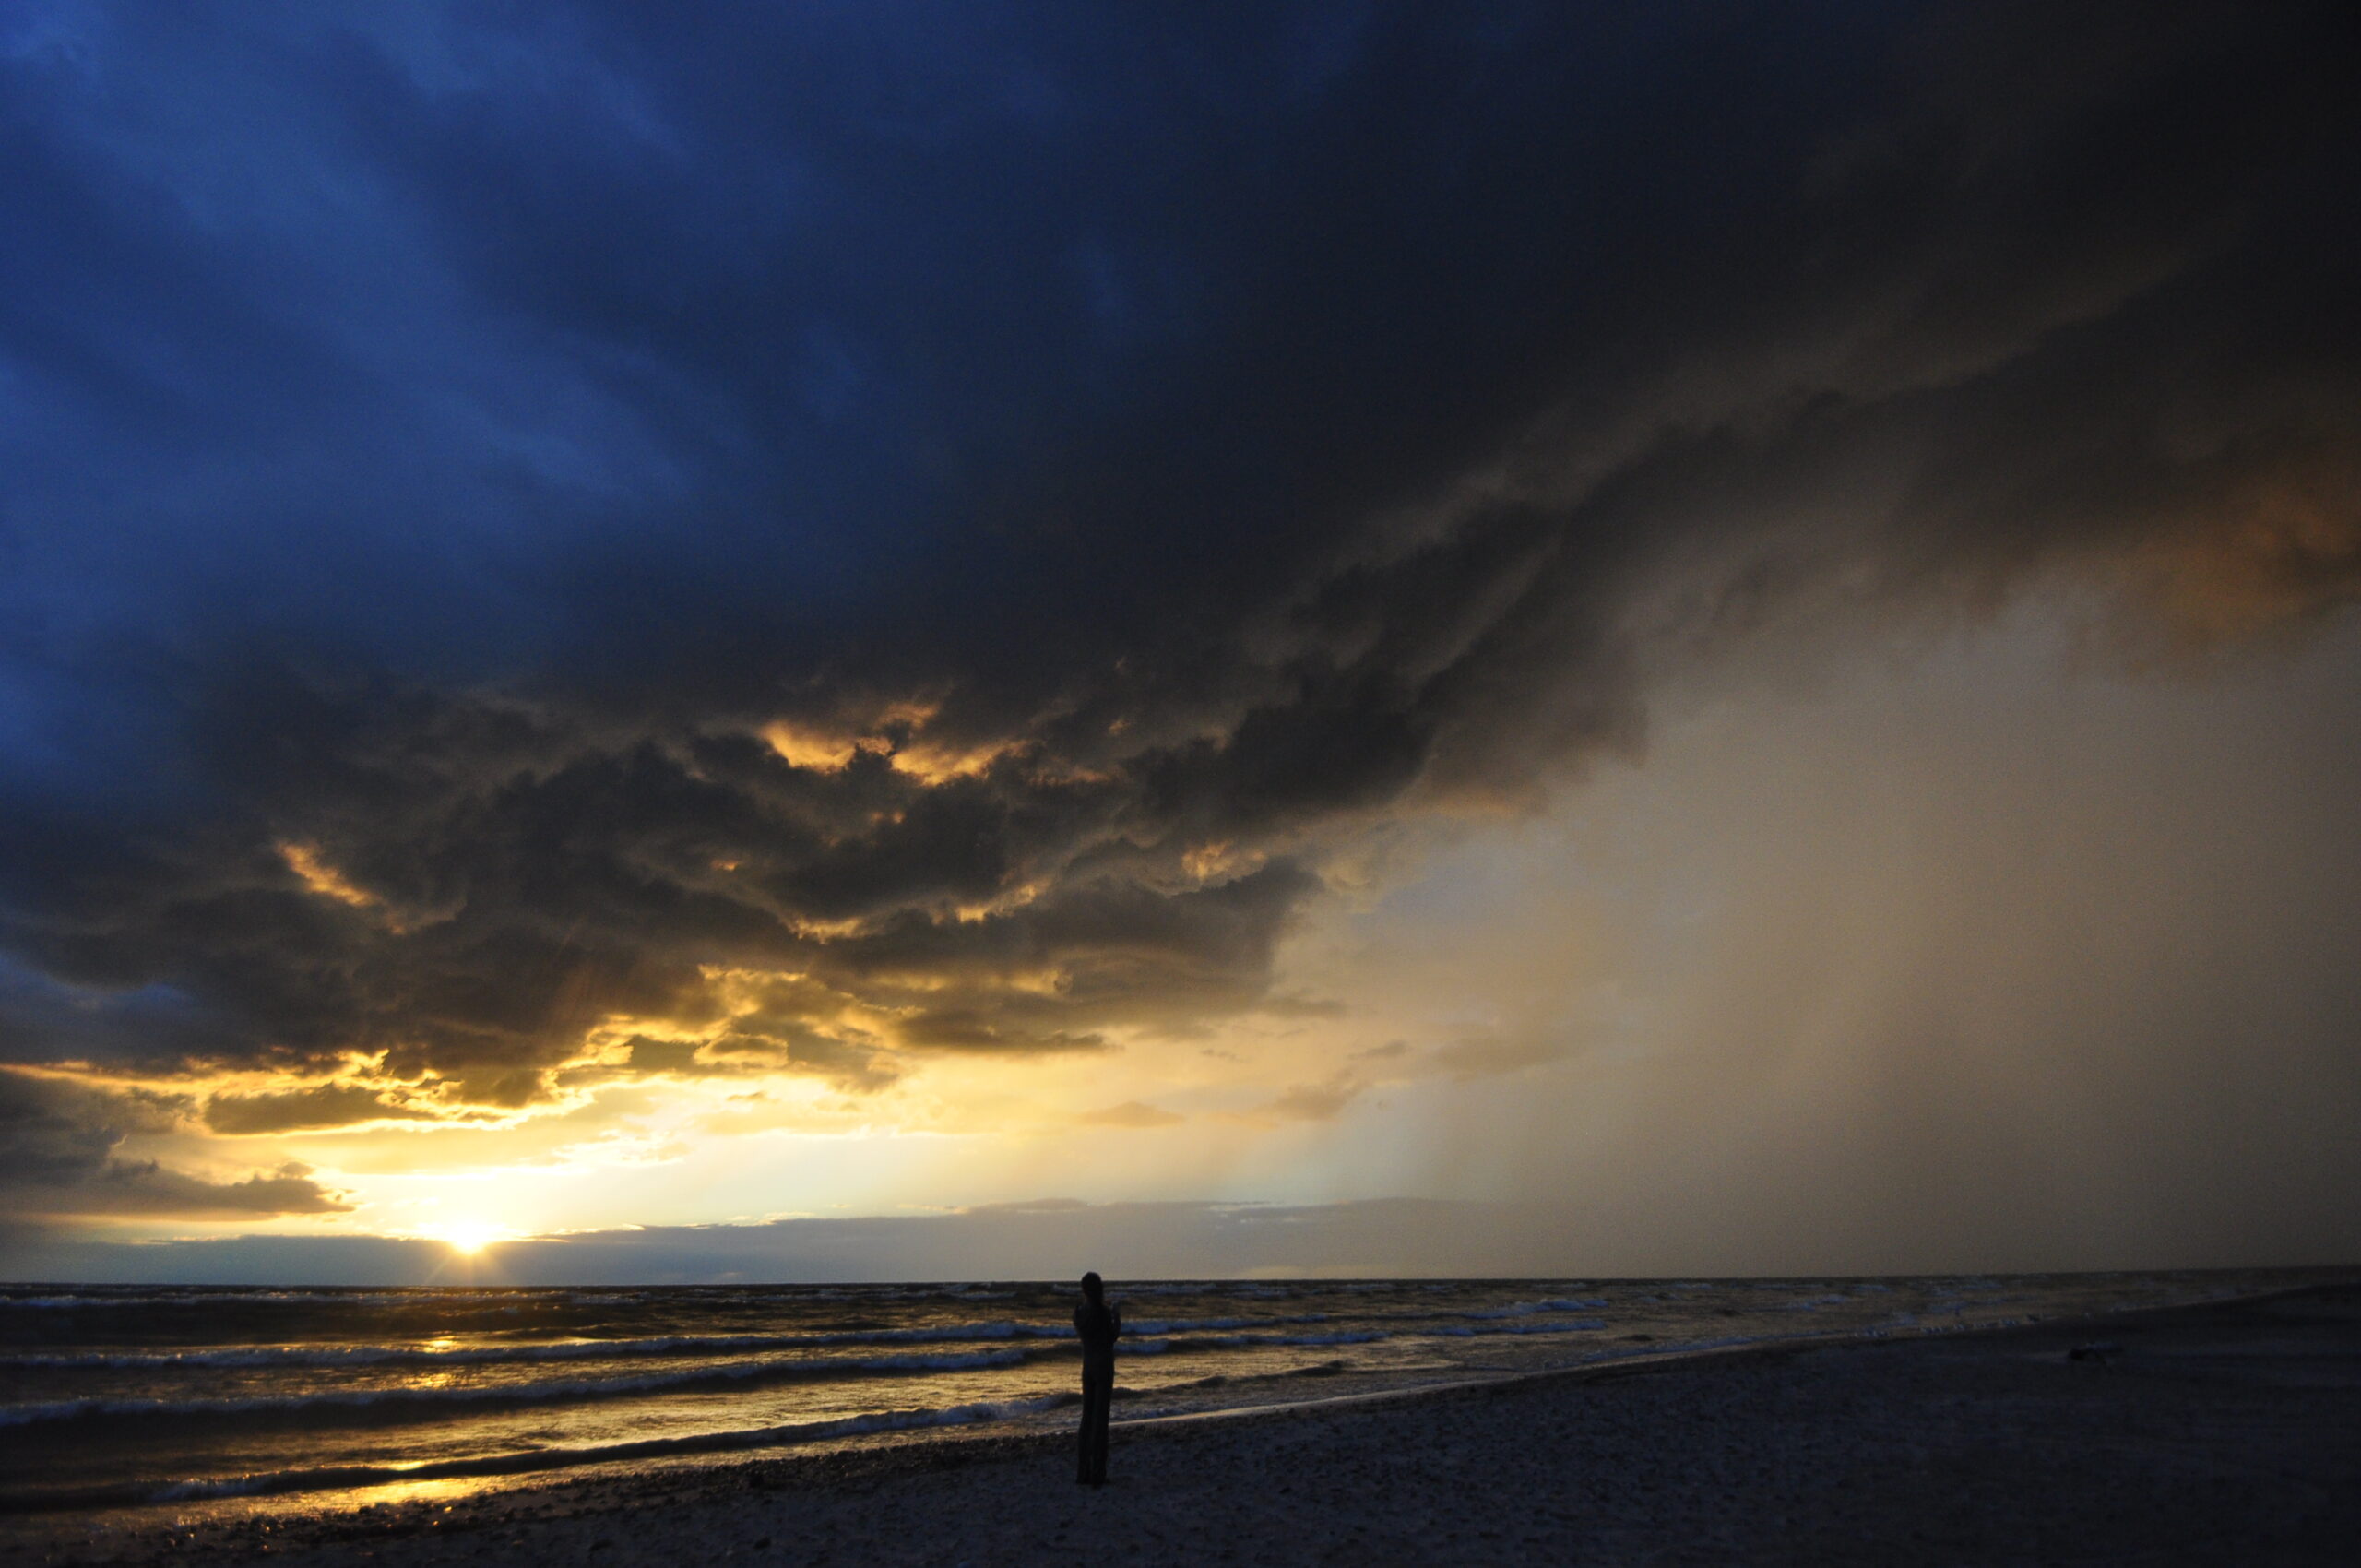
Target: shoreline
568,1469
334,1487
898,1476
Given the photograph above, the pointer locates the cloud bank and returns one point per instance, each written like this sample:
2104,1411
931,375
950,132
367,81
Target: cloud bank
566,547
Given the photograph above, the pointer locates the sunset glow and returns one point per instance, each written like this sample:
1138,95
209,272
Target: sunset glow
469,1237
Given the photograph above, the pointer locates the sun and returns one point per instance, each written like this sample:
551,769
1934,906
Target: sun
470,1237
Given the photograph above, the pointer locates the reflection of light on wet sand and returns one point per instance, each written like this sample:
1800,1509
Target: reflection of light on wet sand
393,1493
338,1502
366,1504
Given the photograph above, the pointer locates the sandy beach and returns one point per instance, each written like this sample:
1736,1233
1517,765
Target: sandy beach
2208,1434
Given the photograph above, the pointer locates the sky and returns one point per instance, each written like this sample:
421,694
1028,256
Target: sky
940,640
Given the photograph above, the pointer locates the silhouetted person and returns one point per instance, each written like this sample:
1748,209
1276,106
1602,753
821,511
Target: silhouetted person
1096,1324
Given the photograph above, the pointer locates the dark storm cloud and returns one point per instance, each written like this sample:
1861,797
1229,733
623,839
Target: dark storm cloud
875,532
322,1105
59,1157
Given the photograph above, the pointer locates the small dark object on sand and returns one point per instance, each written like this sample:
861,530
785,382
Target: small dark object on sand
2103,1351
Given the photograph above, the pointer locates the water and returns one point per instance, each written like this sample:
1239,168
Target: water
120,1395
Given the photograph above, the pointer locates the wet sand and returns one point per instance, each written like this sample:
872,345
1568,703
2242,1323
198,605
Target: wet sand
2226,1433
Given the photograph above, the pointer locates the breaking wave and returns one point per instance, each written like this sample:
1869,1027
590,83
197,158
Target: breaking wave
346,1404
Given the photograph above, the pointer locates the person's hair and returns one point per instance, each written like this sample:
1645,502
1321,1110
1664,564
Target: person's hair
1092,1285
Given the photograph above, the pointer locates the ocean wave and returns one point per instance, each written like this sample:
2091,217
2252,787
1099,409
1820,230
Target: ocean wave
1463,1331
346,1404
57,1301
1202,1324
548,1350
1338,1336
1252,1341
245,1356
624,1350
1185,1325
1525,1309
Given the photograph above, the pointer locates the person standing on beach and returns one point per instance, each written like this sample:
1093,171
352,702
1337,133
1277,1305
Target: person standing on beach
1096,1323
